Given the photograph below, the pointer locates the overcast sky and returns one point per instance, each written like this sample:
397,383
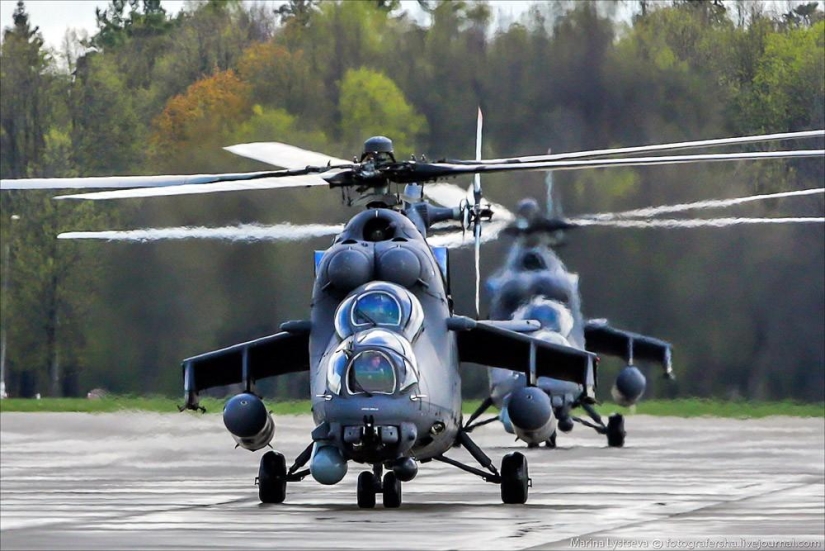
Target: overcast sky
55,17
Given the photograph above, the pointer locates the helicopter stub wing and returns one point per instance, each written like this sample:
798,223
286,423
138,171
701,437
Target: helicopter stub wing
490,345
278,354
601,338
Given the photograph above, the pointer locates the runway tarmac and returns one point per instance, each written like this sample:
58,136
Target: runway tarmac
172,481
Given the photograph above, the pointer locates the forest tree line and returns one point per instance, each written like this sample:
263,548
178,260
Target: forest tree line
152,92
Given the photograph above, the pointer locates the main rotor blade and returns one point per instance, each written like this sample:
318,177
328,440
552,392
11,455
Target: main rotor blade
307,180
241,232
123,181
698,223
443,170
661,147
281,154
477,211
650,212
446,195
460,239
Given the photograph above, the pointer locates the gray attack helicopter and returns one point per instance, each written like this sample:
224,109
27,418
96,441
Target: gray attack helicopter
382,344
534,284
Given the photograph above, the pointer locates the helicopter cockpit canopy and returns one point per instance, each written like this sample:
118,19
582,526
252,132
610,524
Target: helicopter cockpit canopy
379,304
375,361
553,315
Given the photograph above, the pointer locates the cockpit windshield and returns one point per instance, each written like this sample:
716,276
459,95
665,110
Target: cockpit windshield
380,304
374,361
371,373
552,315
376,308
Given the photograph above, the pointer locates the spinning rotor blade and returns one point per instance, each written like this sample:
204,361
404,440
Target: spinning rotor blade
446,195
699,223
307,180
457,239
435,171
661,147
241,232
477,212
650,212
122,181
281,154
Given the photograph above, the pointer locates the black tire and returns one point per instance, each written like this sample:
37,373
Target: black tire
551,442
366,490
615,431
391,491
515,480
272,478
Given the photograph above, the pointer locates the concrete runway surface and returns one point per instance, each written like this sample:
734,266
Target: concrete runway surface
171,481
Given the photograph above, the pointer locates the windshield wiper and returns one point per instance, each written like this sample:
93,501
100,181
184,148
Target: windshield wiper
359,386
368,317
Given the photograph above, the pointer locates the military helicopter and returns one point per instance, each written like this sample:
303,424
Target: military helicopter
534,284
382,344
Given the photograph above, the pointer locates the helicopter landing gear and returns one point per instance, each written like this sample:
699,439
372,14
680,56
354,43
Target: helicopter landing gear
514,478
391,491
272,478
615,431
370,484
484,406
366,490
273,475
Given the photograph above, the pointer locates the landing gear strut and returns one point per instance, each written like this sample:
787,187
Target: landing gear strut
614,429
514,478
273,475
370,484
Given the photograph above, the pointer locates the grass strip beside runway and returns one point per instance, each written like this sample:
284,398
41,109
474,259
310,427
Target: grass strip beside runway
685,407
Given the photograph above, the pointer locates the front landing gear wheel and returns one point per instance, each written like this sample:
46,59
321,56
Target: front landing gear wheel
366,490
392,491
515,481
551,442
615,431
272,478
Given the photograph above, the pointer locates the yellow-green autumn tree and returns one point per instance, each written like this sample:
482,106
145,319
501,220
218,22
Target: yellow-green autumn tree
372,104
194,125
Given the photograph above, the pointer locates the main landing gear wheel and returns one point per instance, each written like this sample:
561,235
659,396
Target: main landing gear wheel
272,478
615,431
515,481
366,490
392,491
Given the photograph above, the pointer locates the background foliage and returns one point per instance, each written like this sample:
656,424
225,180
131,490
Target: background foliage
152,92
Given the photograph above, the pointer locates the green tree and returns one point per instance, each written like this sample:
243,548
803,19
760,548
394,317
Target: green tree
24,82
372,104
107,134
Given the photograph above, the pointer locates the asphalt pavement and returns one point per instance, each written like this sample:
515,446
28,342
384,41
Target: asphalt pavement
173,481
